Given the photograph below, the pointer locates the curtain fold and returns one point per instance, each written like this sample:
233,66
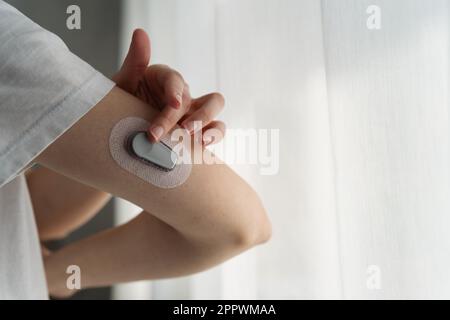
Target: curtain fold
388,101
360,204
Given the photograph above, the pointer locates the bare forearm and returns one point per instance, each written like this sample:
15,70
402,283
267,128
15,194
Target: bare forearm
212,216
144,248
61,204
213,199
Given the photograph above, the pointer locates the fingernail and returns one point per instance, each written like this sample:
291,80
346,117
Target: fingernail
189,126
178,100
207,140
157,132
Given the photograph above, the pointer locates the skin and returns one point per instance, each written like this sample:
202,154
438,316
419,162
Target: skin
165,89
213,216
61,205
193,227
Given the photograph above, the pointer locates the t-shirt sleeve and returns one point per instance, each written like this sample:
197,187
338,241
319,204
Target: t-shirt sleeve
44,90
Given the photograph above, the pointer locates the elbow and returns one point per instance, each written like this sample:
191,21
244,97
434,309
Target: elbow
251,236
255,230
236,221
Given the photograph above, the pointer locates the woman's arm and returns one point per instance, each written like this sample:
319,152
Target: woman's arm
214,211
214,203
143,248
61,205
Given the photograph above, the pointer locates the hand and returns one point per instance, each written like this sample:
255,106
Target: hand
166,89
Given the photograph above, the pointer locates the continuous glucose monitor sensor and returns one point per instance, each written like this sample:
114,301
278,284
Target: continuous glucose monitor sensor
158,154
159,164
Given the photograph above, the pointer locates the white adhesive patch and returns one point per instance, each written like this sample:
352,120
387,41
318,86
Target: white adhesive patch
117,141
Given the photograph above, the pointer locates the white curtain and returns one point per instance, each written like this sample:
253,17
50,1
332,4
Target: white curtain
360,205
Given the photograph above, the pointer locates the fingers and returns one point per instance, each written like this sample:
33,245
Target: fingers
166,120
175,94
213,133
174,88
137,78
207,108
178,99
135,63
172,85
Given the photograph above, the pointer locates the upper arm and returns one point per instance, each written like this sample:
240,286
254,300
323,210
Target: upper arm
212,198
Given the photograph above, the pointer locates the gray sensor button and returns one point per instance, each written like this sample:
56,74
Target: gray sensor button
158,154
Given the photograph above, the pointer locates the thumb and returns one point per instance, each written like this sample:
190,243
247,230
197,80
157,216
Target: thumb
135,63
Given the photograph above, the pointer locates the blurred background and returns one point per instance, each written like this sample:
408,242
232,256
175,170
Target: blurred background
360,205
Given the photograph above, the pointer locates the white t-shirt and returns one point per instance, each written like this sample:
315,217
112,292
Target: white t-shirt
44,89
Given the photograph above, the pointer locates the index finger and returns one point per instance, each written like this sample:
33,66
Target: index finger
166,120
